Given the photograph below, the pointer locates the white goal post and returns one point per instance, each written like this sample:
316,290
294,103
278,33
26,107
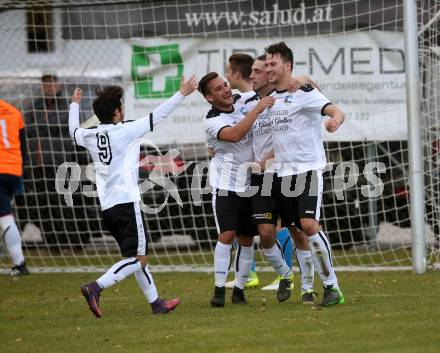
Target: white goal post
386,81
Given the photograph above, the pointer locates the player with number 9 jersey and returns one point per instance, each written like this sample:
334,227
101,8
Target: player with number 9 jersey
114,146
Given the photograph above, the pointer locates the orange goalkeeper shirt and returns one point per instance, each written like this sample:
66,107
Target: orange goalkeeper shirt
11,122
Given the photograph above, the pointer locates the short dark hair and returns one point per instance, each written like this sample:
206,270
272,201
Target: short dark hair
106,102
242,63
203,83
282,49
261,57
49,77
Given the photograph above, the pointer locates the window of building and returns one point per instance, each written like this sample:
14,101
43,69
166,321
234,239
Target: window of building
40,38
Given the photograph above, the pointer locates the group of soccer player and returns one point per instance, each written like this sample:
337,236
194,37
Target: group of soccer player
267,164
276,125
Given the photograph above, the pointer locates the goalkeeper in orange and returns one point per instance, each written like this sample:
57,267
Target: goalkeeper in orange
12,153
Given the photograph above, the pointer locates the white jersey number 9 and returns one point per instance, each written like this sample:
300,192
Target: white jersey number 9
105,151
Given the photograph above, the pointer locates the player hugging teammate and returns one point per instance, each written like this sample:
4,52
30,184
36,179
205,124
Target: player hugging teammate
291,189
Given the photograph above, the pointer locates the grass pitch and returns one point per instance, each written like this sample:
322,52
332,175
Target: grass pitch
384,312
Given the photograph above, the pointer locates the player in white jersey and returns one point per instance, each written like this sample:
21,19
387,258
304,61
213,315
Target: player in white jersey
227,128
114,146
263,154
228,135
245,75
300,158
238,74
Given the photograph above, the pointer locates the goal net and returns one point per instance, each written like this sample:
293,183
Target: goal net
353,49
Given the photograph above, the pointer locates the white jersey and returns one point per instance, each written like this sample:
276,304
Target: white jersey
261,133
115,148
296,130
228,168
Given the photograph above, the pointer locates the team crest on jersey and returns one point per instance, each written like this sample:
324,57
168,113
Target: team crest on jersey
288,99
243,110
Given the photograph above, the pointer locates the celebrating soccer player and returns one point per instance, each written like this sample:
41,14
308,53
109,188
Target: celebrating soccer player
227,128
300,158
117,185
245,74
263,153
239,71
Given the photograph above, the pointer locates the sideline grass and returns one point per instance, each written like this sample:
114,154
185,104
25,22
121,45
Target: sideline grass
384,312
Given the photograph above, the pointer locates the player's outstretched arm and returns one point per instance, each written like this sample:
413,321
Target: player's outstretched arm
74,111
166,108
336,115
235,133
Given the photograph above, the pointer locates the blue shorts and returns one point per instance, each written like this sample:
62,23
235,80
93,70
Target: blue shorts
9,186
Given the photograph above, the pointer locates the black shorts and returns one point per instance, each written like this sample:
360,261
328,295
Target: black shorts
264,203
301,197
232,212
9,186
292,198
126,224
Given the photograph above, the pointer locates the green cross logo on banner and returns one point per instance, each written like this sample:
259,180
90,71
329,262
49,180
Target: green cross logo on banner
156,71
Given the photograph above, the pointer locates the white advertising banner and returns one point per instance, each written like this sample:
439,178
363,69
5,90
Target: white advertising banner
363,73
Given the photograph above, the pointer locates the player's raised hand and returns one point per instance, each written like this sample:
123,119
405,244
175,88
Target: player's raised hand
77,95
264,103
332,124
188,87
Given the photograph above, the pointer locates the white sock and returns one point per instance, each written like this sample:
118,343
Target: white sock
119,271
322,258
305,262
243,264
275,256
222,259
12,238
146,283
